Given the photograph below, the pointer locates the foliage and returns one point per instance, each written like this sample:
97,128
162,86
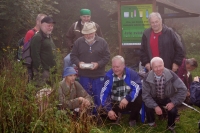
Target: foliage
16,16
19,107
192,39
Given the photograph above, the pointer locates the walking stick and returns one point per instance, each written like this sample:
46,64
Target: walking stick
190,107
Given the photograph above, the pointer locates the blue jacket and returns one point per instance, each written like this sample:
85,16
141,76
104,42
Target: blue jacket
195,93
132,79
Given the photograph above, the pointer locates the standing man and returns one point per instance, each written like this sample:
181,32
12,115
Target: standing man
90,54
42,52
162,88
122,91
160,41
74,32
28,37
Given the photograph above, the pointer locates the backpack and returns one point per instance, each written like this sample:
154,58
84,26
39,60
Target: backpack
20,44
195,93
20,47
26,53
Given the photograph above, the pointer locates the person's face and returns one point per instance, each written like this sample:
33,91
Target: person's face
118,67
47,28
85,18
70,79
156,24
89,37
158,67
189,67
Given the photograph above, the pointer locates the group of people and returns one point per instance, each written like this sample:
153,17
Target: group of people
120,89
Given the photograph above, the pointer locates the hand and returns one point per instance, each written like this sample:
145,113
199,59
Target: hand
148,66
169,106
174,67
112,115
85,103
196,79
95,65
123,103
158,110
188,93
80,65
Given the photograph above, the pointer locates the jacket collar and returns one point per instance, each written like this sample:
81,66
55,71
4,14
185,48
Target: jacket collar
150,76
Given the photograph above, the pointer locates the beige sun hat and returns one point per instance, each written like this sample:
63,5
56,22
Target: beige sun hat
88,28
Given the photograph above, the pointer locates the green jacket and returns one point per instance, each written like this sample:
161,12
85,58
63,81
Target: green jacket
42,51
68,97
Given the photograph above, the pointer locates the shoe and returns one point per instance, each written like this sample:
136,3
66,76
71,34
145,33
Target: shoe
152,124
171,128
132,123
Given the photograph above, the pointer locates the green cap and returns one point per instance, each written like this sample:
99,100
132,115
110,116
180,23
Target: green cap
85,12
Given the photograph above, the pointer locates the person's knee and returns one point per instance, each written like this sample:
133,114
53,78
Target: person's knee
173,111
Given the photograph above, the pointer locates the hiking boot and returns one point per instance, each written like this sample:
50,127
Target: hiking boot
171,128
132,123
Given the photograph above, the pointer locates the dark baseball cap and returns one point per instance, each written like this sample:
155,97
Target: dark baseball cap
48,20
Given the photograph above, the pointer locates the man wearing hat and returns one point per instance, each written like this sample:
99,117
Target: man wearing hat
71,93
74,32
90,54
42,52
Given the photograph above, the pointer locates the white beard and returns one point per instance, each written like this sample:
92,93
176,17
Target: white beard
90,40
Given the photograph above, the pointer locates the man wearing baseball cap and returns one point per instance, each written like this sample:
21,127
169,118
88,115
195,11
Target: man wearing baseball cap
42,52
74,32
90,54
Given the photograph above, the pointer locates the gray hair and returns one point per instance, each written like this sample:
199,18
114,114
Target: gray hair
39,16
119,57
154,14
156,59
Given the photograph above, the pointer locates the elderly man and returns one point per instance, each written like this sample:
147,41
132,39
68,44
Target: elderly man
160,41
121,91
74,32
162,88
91,54
42,52
71,93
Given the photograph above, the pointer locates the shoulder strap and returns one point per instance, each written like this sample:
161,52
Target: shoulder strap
75,25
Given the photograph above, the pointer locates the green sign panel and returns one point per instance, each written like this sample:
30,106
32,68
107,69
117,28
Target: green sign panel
134,20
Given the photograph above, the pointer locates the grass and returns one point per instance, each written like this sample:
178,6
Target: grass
188,124
19,108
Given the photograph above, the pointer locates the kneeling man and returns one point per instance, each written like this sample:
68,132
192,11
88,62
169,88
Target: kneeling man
121,91
162,88
71,93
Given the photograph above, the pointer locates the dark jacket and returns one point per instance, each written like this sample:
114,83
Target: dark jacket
182,74
195,93
100,53
132,79
170,48
74,33
42,51
175,89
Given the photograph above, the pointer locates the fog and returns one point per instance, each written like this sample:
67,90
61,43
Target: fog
192,5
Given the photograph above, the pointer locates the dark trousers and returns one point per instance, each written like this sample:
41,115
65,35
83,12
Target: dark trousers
150,112
134,107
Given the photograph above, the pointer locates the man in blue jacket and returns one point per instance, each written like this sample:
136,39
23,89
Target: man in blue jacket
121,91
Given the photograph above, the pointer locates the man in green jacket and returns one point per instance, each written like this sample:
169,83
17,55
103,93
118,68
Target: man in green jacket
42,52
71,93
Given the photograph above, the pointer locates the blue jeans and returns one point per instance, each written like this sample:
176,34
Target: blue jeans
93,87
67,61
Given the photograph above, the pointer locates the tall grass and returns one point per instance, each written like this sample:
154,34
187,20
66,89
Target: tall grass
19,108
